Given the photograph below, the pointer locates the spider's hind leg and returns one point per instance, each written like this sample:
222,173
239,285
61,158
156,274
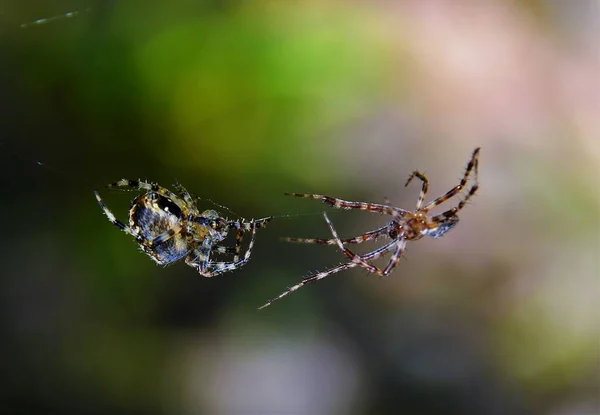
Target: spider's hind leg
472,166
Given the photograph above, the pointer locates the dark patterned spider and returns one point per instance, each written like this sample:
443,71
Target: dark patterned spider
169,227
405,226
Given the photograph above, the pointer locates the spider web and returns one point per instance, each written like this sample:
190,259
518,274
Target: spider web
16,17
42,13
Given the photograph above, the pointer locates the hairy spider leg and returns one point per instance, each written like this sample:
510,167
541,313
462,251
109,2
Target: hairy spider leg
186,196
125,184
199,258
345,204
424,188
320,275
393,262
255,223
241,226
239,236
220,249
212,269
452,212
192,199
369,236
112,219
471,166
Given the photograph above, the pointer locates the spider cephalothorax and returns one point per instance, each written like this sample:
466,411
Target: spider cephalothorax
405,226
168,227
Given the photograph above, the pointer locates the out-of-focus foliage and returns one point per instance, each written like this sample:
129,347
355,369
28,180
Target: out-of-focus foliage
241,101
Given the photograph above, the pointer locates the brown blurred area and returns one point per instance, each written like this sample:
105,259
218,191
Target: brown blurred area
241,101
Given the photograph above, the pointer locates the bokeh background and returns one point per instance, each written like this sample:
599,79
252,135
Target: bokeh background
241,101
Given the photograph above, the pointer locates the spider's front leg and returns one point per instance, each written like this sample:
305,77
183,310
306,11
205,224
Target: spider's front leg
369,236
424,188
346,204
254,223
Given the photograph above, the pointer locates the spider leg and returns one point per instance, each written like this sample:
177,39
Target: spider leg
311,279
216,268
320,275
239,236
111,217
401,243
220,249
424,188
471,166
240,227
395,258
345,204
254,223
221,267
125,184
184,194
199,258
452,212
369,236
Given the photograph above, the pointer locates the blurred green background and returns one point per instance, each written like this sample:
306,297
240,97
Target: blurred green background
241,101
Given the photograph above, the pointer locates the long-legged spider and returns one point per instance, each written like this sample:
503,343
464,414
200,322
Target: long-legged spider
168,227
405,226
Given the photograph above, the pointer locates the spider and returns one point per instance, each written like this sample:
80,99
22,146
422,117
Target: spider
168,227
405,226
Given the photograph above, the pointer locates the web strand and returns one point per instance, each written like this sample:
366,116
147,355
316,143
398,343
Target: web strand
45,20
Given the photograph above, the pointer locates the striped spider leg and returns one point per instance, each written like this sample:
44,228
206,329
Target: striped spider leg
168,227
371,256
239,226
405,226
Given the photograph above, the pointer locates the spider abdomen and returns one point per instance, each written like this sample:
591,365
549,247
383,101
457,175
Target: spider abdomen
442,227
153,216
